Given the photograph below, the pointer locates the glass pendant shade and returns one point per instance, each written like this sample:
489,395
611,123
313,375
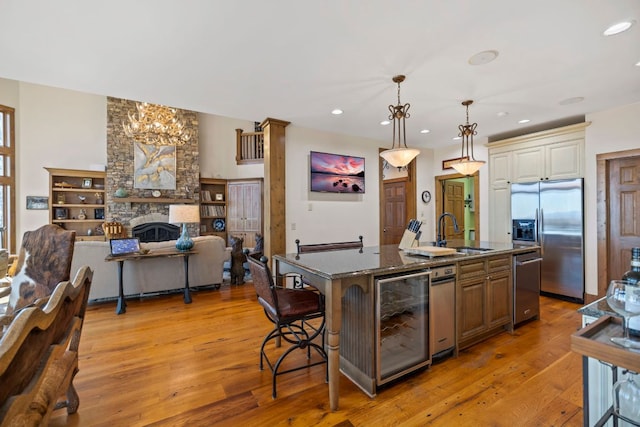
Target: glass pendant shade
468,167
401,155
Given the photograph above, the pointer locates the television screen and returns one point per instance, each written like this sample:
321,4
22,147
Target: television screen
336,173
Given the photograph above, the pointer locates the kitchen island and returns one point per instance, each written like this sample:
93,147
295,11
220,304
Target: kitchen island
348,280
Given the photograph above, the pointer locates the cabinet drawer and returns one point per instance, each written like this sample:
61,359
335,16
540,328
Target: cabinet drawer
471,269
499,263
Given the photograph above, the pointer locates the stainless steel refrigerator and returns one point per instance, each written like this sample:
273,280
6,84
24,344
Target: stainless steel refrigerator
550,214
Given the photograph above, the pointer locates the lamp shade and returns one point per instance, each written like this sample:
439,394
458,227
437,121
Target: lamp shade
184,214
468,167
399,157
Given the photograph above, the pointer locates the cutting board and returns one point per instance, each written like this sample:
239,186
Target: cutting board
430,251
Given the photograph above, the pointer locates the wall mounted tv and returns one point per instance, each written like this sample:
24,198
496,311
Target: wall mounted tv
336,173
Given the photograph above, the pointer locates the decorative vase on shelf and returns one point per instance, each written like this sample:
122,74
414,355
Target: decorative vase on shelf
121,192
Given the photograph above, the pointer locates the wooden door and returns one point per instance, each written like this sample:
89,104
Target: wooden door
624,200
454,203
394,214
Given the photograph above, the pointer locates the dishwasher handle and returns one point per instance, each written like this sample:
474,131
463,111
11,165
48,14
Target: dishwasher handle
531,261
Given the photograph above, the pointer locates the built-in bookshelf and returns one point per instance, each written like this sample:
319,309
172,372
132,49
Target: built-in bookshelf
76,201
213,207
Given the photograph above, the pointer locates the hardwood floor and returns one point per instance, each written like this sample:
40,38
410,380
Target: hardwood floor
165,363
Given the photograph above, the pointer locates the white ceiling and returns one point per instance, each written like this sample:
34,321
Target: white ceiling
296,60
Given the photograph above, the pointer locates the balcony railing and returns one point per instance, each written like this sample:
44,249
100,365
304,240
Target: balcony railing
249,147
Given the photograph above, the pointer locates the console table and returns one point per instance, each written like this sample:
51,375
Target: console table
121,308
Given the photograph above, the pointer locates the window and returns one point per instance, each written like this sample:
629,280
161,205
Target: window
7,179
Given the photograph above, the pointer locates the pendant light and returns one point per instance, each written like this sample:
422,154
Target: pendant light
402,155
467,165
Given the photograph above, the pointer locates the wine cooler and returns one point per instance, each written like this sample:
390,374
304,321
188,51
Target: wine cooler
402,325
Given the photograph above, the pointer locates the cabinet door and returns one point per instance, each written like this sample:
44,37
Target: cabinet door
253,207
500,215
471,307
244,215
499,299
528,164
499,169
564,160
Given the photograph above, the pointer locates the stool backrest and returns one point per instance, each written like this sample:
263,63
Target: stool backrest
263,281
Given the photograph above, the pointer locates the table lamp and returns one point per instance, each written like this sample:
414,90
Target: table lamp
184,214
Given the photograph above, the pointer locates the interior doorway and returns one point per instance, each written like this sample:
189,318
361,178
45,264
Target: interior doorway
460,195
618,198
397,200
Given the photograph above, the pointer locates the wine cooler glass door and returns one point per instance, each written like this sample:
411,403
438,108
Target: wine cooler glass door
402,325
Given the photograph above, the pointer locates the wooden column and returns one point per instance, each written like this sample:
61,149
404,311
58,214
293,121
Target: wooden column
274,187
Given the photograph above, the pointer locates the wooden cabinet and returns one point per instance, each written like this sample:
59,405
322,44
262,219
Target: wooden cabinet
77,201
213,207
244,210
483,299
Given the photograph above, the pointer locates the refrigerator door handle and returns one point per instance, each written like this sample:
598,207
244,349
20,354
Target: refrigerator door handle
541,231
536,227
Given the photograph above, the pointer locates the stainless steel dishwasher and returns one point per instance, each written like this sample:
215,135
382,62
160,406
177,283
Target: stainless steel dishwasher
526,289
442,301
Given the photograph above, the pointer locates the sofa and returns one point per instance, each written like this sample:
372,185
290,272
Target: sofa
154,274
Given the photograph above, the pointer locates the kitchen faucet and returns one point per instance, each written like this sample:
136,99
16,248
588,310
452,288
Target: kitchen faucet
441,239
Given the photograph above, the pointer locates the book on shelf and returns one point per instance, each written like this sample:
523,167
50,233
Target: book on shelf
206,195
212,210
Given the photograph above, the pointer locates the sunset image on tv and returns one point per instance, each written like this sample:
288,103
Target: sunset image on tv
336,173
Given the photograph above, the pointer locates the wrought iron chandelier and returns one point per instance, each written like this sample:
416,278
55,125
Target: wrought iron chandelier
156,125
402,155
467,165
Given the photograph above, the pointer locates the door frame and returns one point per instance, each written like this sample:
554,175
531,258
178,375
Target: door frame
410,197
602,215
439,182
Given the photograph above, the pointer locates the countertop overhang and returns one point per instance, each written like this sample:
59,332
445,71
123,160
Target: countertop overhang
388,259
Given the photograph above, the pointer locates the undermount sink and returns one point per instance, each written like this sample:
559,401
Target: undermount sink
471,251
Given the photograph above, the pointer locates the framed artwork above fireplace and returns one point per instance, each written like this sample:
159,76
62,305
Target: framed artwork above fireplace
154,166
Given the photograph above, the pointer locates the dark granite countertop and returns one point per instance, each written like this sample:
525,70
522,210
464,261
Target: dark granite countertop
389,259
598,308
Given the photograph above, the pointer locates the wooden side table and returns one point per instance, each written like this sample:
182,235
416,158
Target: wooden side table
594,341
121,307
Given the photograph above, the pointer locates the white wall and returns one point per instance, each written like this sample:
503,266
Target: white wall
612,130
218,148
54,128
329,217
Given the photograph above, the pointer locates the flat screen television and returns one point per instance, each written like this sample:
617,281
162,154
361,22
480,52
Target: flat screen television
336,173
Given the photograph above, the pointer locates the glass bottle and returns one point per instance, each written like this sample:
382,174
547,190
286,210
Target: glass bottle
633,276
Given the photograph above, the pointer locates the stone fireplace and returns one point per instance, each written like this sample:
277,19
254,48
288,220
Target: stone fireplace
120,169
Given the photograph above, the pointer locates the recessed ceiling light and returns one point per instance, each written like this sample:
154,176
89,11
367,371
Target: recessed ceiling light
618,28
385,122
484,57
573,100
336,112
456,138
523,121
425,131
502,114
638,64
